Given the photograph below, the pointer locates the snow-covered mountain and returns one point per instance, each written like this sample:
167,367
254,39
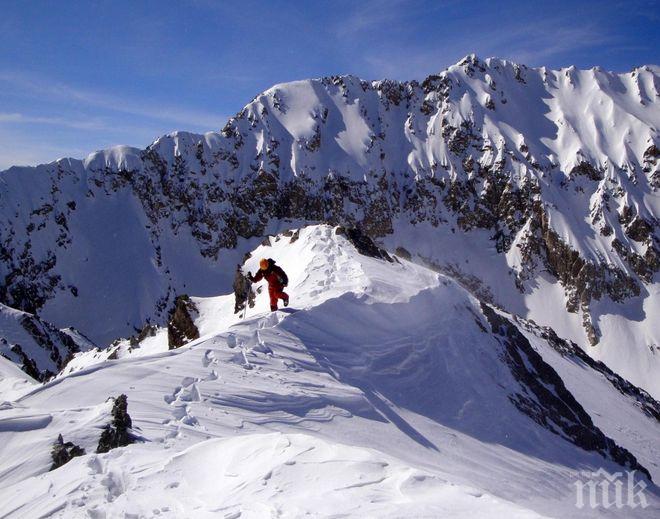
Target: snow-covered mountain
537,188
385,390
36,346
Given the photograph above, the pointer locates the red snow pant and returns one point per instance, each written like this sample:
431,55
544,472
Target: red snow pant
276,292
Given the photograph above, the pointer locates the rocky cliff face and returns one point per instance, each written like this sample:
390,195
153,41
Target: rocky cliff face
555,171
181,327
545,398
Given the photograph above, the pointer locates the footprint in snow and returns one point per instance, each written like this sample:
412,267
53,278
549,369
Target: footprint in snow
256,343
209,358
182,414
192,395
189,391
170,399
231,340
186,392
95,465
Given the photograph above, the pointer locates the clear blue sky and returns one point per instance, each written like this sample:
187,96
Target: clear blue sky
76,76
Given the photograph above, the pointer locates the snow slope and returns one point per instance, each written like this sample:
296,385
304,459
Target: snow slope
380,391
13,381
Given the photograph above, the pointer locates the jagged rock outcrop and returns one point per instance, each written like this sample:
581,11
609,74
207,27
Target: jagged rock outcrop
62,452
118,432
181,327
363,243
582,279
149,330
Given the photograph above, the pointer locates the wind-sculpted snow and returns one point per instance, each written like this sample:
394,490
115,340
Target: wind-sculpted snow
294,475
381,391
542,182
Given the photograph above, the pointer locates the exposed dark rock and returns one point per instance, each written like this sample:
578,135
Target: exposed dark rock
117,433
627,215
651,156
62,453
148,330
29,282
518,73
402,252
644,266
587,170
650,165
545,398
652,152
243,293
639,229
291,234
181,327
363,243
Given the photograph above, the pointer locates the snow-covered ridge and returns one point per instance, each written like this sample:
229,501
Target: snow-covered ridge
609,120
322,265
539,186
385,389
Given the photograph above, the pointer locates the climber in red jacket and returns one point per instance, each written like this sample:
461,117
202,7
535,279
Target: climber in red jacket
277,280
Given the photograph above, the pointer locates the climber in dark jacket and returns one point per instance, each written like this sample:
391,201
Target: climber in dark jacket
277,280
